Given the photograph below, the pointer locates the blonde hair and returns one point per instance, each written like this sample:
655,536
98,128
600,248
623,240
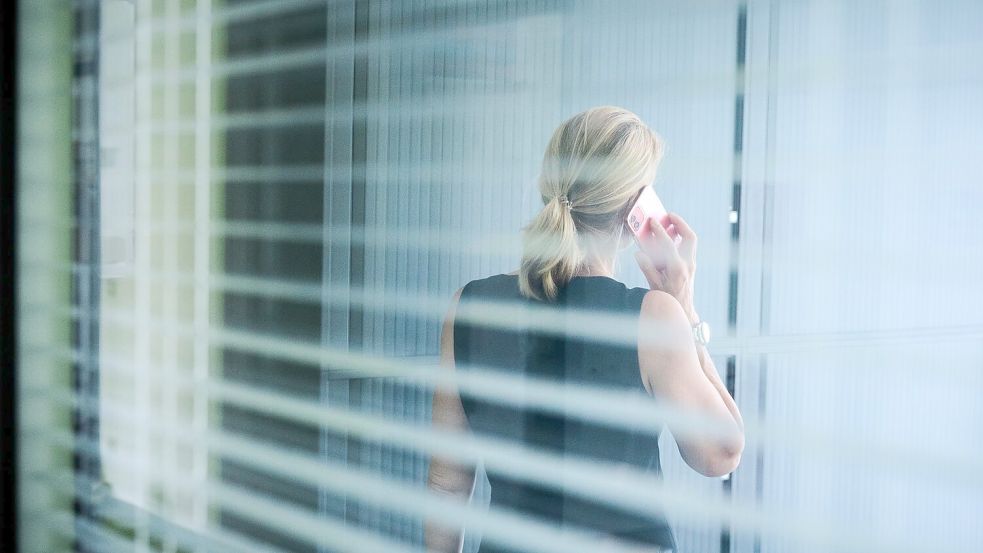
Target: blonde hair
595,165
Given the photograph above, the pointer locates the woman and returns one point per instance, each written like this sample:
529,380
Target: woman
595,167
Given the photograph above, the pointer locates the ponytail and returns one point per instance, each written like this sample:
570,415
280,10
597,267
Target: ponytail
601,158
551,253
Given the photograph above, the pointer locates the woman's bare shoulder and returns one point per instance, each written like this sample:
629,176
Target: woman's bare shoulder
662,306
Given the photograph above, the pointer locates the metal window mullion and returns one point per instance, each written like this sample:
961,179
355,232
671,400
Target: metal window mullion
337,215
142,252
202,253
87,281
171,158
755,174
12,24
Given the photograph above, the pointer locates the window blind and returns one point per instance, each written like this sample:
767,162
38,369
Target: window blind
242,223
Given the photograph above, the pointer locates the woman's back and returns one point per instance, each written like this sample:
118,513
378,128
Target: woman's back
566,354
597,167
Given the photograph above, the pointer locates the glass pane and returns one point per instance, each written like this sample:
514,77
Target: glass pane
247,228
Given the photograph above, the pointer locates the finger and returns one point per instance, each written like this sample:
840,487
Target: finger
657,246
650,242
687,243
658,232
661,249
648,265
682,227
673,233
649,269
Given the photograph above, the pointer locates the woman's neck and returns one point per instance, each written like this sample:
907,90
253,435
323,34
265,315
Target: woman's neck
596,268
587,270
599,255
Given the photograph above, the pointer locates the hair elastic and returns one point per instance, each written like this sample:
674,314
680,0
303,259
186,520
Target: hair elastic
565,202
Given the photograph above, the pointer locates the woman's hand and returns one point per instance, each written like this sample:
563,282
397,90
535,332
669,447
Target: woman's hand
669,267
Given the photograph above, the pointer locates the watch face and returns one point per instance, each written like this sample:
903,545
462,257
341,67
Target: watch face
702,332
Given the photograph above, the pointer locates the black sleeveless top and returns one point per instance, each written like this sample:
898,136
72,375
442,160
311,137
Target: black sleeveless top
521,351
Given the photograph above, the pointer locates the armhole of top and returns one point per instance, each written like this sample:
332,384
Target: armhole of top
461,329
634,299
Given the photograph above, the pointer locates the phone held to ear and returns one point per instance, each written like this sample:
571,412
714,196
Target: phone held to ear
649,206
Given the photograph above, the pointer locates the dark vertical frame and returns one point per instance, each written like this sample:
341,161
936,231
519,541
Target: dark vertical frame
756,82
359,160
730,373
86,256
343,388
343,258
8,276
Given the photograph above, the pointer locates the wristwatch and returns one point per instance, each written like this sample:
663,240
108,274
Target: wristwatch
701,333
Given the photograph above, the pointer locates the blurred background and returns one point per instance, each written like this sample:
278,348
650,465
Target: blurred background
239,224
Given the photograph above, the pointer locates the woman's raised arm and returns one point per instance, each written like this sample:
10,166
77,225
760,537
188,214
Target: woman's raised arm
671,369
